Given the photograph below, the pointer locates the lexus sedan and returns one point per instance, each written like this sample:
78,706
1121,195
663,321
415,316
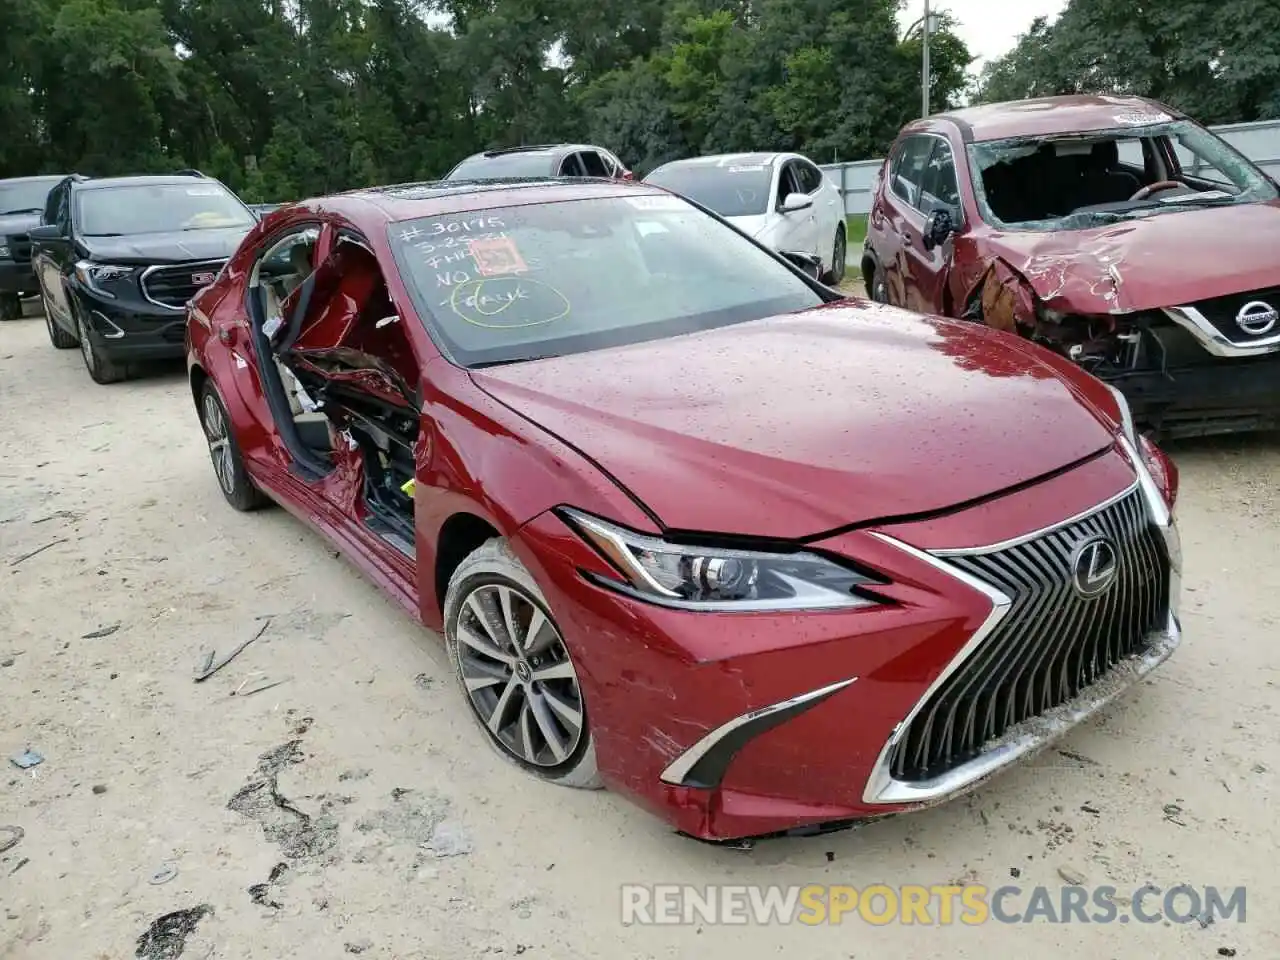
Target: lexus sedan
693,526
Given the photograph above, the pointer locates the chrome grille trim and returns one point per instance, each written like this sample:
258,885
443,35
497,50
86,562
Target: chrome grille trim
1031,734
200,266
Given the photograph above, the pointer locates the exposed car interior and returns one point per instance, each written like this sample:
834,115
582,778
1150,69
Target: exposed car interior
1044,179
342,370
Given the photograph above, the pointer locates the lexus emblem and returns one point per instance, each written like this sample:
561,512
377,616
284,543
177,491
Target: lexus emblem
1093,566
202,279
1257,318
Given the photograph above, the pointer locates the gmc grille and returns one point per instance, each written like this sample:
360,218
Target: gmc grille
174,286
1052,643
19,245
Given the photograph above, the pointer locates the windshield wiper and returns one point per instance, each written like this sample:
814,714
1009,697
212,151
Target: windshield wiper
104,234
23,210
502,363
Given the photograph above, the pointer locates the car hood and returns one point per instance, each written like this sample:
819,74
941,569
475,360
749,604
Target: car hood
1159,261
752,226
180,246
12,223
795,425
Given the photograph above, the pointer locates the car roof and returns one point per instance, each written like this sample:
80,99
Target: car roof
1051,116
149,180
39,178
406,201
537,149
731,160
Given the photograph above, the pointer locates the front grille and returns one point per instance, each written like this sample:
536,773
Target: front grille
1051,644
174,286
1222,311
19,245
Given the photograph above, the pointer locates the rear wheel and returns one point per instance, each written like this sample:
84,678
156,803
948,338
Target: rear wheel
224,452
101,368
839,256
515,670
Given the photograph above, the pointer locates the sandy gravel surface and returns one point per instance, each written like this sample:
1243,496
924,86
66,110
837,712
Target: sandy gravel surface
352,809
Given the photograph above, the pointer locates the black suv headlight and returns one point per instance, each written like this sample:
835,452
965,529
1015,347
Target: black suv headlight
102,277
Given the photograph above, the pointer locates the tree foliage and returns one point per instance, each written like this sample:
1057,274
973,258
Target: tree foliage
288,98
1216,60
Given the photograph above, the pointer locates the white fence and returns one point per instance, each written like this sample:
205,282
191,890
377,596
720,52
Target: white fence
1259,141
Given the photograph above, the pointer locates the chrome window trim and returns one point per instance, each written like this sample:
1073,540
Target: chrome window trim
1213,340
678,770
195,265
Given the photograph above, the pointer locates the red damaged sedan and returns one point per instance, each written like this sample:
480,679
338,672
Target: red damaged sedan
694,526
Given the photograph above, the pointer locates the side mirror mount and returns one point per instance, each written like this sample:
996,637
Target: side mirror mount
937,227
810,263
44,232
795,201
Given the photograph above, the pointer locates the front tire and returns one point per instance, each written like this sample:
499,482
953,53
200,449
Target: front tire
515,671
877,289
10,307
224,452
102,369
839,258
60,339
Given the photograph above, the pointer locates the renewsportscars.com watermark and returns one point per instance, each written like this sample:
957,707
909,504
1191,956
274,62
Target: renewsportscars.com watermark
970,904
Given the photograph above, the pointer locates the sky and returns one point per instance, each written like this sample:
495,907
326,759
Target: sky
989,27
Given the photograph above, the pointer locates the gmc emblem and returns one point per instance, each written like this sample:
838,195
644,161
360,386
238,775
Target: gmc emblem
202,279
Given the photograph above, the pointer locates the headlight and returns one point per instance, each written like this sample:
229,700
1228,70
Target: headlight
1147,462
716,579
95,275
4,252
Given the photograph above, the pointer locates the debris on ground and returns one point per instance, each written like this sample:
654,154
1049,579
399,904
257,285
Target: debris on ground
26,759
298,834
1077,757
163,875
36,552
15,835
19,865
448,839
166,938
1071,877
99,788
424,681
209,667
1086,808
358,946
260,893
101,632
256,683
354,774
1172,814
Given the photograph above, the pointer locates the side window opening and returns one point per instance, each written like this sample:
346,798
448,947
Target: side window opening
939,188
788,182
346,346
571,166
909,167
594,165
811,178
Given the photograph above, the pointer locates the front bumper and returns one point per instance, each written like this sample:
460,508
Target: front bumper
129,331
741,725
17,277
1232,395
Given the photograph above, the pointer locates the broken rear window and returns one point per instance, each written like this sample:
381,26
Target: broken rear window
1087,179
519,283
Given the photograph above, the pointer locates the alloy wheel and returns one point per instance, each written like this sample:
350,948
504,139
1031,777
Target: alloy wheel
838,257
518,675
215,429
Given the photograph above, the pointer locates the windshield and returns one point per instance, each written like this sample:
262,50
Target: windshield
159,208
1083,180
505,166
26,196
731,190
520,283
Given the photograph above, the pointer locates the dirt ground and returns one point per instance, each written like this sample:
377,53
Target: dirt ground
353,810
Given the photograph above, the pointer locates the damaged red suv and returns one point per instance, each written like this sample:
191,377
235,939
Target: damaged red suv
1112,230
693,525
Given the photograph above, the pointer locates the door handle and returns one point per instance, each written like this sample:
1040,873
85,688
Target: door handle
907,241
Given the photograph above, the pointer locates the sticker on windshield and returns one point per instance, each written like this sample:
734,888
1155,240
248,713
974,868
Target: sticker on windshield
757,168
662,201
203,192
1141,118
496,256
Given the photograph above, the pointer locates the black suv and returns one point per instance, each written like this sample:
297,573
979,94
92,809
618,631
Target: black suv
543,160
22,200
118,258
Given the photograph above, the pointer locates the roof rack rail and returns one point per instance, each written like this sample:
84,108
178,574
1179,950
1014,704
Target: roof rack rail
188,172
